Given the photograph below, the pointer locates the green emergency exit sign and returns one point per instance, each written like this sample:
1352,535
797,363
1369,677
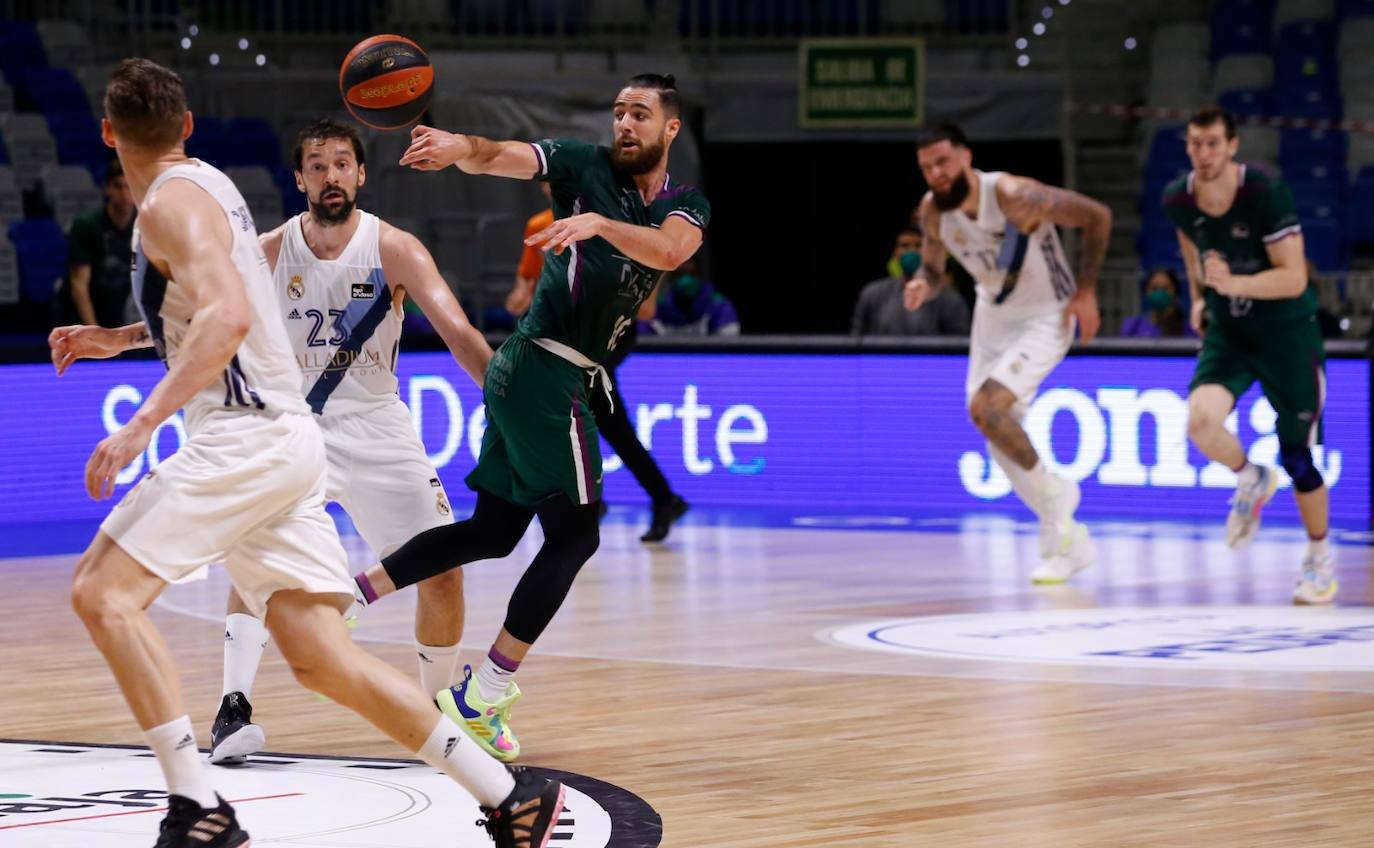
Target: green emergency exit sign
856,83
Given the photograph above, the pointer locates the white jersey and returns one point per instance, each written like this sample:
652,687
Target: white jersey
1016,274
340,318
262,377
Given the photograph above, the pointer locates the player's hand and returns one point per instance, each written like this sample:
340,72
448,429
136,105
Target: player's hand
565,231
83,341
1199,316
915,292
113,453
434,150
1083,307
1217,274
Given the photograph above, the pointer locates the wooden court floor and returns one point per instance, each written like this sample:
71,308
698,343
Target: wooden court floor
700,676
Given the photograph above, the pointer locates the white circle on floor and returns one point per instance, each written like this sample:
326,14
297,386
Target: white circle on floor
64,795
1295,639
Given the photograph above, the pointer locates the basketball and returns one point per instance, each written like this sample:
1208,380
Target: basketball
386,82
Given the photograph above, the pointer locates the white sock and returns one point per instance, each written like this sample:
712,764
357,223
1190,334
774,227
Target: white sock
1033,486
492,680
457,756
244,638
437,666
174,743
1318,547
1248,475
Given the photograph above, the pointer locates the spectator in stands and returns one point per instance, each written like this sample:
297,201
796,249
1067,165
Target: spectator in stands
97,287
687,305
1163,315
880,312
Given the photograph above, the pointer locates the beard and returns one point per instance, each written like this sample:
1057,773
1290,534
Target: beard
955,197
640,162
329,216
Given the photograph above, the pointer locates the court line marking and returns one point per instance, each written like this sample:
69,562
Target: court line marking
138,812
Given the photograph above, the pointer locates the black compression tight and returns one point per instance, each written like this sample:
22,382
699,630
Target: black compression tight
492,532
572,533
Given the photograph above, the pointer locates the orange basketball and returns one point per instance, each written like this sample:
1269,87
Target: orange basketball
386,82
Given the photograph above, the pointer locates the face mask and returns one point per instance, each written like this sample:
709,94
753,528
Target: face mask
1159,299
904,265
687,286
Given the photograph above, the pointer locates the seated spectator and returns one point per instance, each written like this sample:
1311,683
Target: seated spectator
879,310
1163,315
687,305
97,287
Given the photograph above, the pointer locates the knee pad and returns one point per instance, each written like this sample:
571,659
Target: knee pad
1298,463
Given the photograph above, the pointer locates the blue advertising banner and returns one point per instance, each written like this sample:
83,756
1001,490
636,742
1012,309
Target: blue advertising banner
848,432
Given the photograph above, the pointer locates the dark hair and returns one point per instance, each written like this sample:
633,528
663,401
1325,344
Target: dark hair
146,103
1173,279
666,86
908,228
1209,115
1171,322
322,129
113,171
951,133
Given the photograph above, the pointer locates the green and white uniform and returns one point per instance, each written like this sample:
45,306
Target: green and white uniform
541,438
1276,342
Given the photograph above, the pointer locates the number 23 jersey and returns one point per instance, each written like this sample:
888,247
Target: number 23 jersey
345,330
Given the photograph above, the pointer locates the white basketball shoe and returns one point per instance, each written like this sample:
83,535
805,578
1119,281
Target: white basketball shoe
1066,547
1243,522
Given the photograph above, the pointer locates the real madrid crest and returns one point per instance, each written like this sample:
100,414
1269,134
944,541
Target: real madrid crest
296,288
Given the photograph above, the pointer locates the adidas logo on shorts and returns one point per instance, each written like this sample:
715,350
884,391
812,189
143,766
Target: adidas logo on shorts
295,314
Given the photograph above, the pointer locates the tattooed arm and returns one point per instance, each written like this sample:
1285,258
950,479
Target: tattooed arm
1029,203
934,273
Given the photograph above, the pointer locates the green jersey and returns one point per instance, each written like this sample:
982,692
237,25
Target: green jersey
587,297
1261,214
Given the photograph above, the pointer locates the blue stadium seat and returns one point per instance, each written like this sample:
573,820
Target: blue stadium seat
1305,56
250,141
292,199
1312,145
41,255
53,89
1325,244
1354,9
1361,228
1247,101
78,141
1241,26
1328,174
20,48
1303,102
208,142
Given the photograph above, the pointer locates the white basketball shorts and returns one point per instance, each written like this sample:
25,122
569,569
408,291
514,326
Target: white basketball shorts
1018,352
379,473
246,490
